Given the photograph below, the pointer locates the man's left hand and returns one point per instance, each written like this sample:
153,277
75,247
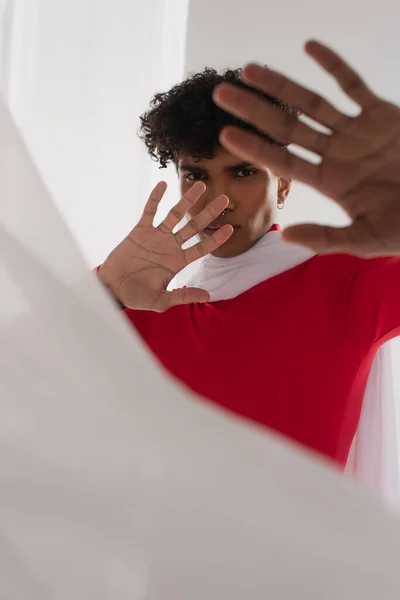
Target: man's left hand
360,156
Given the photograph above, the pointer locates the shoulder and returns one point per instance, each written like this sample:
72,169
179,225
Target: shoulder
350,278
335,262
363,292
340,265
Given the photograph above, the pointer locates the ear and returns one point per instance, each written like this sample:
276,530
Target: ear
284,186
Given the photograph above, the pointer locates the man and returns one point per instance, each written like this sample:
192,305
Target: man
291,332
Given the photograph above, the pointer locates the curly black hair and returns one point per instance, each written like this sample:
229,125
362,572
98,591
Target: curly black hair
186,121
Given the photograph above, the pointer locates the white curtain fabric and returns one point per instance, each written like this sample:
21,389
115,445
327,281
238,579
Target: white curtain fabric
116,483
373,460
7,8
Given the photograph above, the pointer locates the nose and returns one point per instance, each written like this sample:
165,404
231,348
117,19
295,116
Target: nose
218,189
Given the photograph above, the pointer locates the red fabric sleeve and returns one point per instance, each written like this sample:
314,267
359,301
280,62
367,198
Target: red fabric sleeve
377,286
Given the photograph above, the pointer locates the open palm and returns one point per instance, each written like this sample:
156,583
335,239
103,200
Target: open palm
140,269
360,156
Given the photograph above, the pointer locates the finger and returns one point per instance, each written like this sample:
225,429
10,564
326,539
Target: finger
279,124
200,222
186,296
177,213
251,148
323,239
348,79
151,206
209,245
307,101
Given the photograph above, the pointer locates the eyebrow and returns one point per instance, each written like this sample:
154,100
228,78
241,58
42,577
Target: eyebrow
227,169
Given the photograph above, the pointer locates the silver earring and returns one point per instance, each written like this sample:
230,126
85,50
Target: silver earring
281,205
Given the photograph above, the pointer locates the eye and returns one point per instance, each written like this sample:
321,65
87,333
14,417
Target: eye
248,173
194,177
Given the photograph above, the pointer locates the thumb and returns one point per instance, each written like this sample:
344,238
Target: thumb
187,296
324,239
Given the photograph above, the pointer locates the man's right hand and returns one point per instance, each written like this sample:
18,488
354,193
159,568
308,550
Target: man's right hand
140,269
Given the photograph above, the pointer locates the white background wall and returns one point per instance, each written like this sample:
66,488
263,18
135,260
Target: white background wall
82,73
226,33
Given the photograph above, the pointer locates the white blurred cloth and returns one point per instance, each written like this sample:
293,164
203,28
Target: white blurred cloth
117,483
373,459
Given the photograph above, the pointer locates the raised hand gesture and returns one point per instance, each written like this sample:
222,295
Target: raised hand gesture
360,156
140,269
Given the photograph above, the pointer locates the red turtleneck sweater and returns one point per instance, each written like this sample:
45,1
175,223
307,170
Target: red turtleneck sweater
292,353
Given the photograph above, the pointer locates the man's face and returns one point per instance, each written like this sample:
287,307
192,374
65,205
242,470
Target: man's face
253,195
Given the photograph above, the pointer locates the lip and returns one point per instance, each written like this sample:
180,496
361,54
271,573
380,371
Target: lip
209,231
216,226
